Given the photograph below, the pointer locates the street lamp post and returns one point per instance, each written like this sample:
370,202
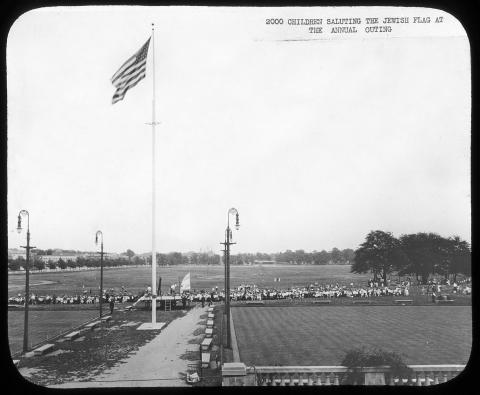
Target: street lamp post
227,243
27,275
99,233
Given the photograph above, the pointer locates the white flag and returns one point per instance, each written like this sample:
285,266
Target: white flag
185,286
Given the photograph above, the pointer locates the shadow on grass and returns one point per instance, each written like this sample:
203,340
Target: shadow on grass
190,356
196,340
199,331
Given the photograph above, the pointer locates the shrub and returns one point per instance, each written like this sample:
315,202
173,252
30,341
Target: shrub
357,359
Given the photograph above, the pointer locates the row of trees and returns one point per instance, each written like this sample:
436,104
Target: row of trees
297,257
418,254
39,264
193,258
323,257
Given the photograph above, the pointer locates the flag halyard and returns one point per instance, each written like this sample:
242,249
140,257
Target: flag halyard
130,73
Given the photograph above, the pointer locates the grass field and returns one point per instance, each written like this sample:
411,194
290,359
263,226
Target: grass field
135,279
321,335
43,324
49,323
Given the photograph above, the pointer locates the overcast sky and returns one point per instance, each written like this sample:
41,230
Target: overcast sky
315,142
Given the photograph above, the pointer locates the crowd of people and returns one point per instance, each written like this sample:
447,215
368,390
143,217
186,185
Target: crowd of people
78,298
251,292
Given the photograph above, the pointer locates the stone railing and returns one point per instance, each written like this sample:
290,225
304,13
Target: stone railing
422,375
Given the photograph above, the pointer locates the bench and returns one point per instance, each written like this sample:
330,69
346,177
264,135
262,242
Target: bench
441,301
92,325
209,332
106,318
322,301
362,301
403,302
211,316
206,343
255,302
205,359
210,324
14,306
210,309
43,349
128,308
72,335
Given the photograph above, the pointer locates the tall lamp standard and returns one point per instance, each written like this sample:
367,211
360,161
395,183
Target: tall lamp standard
27,275
227,244
99,233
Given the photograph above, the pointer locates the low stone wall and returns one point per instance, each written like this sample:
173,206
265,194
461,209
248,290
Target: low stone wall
238,374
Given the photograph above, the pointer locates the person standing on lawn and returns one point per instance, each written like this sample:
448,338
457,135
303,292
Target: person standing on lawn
112,304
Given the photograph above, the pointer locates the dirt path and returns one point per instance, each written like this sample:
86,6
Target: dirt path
156,364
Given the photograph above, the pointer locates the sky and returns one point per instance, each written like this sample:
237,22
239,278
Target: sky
315,139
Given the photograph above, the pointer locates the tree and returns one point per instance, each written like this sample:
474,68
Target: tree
22,261
348,255
38,263
13,264
459,257
425,254
130,255
62,264
336,255
71,263
380,253
321,258
51,264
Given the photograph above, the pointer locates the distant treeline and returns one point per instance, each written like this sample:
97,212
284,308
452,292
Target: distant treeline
297,257
40,260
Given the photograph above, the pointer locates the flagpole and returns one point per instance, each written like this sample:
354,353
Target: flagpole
154,255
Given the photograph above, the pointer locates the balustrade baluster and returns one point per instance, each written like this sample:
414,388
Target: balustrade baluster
300,379
419,383
282,380
327,379
435,378
335,379
319,379
427,378
310,379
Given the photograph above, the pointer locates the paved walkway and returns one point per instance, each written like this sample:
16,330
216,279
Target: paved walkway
157,363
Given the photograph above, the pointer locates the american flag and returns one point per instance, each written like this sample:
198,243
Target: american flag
131,73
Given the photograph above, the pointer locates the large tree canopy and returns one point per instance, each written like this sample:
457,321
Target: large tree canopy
381,253
421,254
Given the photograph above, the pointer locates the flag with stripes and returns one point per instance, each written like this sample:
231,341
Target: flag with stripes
130,73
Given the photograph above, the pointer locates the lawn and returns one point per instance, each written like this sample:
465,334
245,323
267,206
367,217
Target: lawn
321,335
43,325
136,279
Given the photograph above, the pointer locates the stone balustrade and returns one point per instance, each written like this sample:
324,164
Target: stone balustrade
422,375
